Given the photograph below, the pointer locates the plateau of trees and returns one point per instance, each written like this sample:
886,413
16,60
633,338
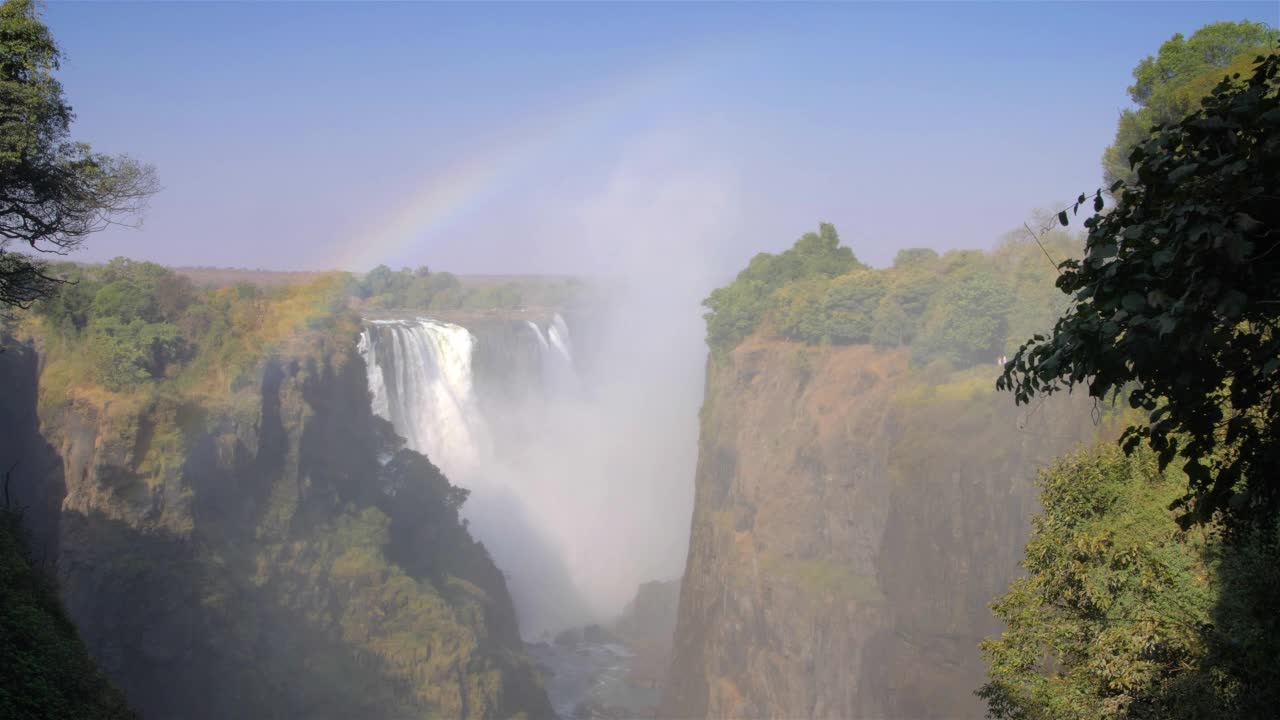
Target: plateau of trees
961,307
128,324
54,192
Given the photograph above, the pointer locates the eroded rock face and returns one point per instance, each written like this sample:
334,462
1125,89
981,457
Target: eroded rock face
271,554
851,521
647,625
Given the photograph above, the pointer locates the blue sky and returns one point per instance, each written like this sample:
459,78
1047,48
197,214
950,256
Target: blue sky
534,137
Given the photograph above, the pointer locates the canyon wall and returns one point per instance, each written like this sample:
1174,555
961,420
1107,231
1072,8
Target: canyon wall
274,552
852,520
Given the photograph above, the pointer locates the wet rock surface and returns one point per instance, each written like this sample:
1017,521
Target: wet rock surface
590,678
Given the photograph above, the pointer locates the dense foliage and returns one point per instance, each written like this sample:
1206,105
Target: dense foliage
53,192
47,672
1152,592
130,323
960,307
1120,614
1177,302
1169,86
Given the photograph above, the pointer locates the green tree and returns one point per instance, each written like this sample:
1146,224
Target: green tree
54,192
913,285
738,308
967,321
1023,265
850,306
1175,302
376,282
1109,620
128,353
124,301
69,308
1170,85
890,326
915,258
802,314
821,253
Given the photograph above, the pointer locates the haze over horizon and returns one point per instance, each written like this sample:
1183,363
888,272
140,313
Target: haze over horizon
505,138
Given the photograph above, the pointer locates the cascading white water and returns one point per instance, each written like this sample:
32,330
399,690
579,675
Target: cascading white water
421,379
420,374
377,388
558,369
561,471
558,337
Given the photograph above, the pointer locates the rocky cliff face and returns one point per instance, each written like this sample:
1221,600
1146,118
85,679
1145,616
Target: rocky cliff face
647,625
270,554
852,519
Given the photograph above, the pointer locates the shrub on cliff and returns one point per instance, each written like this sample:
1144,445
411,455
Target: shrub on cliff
47,672
1110,609
1125,614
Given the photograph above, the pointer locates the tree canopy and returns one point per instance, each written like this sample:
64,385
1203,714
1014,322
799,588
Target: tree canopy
1176,302
1112,601
959,307
421,289
1123,614
1168,86
54,192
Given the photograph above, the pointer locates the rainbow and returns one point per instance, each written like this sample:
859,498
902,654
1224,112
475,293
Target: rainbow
445,195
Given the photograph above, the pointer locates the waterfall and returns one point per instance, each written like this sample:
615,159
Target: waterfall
497,407
558,371
420,375
558,337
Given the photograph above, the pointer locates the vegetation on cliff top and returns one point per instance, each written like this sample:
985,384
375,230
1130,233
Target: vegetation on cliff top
964,307
128,325
424,289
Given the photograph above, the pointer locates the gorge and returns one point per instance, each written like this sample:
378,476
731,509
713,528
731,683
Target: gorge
854,513
640,452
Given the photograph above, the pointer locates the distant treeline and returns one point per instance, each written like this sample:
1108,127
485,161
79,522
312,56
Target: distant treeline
128,322
421,288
